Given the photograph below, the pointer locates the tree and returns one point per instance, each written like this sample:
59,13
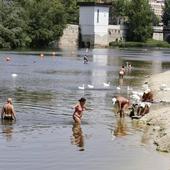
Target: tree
118,11
46,21
166,13
139,21
72,11
12,25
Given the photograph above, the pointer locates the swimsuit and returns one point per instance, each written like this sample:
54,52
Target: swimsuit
8,117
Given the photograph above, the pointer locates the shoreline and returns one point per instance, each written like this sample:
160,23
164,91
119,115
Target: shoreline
158,119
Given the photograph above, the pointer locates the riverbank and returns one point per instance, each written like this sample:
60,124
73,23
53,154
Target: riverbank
149,44
159,117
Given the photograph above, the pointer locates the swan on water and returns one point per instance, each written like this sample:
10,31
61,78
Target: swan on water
81,87
90,86
106,84
14,75
118,88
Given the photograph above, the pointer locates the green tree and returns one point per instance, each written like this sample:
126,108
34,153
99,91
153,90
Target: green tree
139,21
118,11
46,21
12,25
166,13
72,11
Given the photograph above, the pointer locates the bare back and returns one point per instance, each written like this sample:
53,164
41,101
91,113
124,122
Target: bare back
8,109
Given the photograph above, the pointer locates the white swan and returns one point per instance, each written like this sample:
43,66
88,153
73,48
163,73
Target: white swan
90,86
14,75
118,88
106,84
81,87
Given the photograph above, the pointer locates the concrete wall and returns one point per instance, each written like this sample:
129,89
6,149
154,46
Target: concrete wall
158,33
70,38
94,25
116,33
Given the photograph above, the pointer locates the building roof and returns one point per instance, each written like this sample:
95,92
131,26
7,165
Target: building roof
94,4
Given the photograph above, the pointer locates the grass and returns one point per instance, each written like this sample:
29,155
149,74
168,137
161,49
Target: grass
148,43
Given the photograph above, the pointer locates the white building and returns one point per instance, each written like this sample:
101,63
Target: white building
94,21
157,7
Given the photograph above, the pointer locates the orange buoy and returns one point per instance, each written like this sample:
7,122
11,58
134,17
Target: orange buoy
53,53
41,55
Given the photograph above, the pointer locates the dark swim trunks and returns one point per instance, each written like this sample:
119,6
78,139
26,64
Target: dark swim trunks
8,118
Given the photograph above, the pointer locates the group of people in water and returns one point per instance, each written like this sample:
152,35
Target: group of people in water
123,103
138,109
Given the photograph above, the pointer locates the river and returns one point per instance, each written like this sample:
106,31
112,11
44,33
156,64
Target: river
45,88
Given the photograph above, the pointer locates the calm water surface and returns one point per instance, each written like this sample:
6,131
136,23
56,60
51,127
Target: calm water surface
44,136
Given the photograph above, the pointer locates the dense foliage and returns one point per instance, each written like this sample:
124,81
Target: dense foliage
34,23
139,21
166,13
118,11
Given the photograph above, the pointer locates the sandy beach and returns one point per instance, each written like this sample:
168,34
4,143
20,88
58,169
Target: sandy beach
159,117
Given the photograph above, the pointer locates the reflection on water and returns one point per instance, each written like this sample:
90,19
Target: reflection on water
45,90
121,127
7,128
78,138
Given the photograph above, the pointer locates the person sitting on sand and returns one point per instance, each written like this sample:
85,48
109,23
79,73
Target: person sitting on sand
143,109
78,112
122,71
147,96
8,112
123,104
144,106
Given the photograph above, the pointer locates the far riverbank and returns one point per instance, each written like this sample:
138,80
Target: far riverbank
149,44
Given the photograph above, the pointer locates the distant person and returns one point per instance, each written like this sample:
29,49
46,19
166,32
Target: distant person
147,99
8,112
78,112
85,59
147,96
122,72
123,104
129,67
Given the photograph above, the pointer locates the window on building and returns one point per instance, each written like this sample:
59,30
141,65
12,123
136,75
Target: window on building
98,16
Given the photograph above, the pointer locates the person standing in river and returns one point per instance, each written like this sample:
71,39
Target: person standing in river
122,72
78,112
8,112
122,103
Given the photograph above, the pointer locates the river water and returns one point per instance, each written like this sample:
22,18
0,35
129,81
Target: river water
44,91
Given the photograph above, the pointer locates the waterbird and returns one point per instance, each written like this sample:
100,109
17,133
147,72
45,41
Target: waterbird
81,87
118,88
90,86
106,84
14,75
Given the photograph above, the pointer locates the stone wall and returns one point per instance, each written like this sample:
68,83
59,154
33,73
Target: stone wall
117,33
158,33
70,37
